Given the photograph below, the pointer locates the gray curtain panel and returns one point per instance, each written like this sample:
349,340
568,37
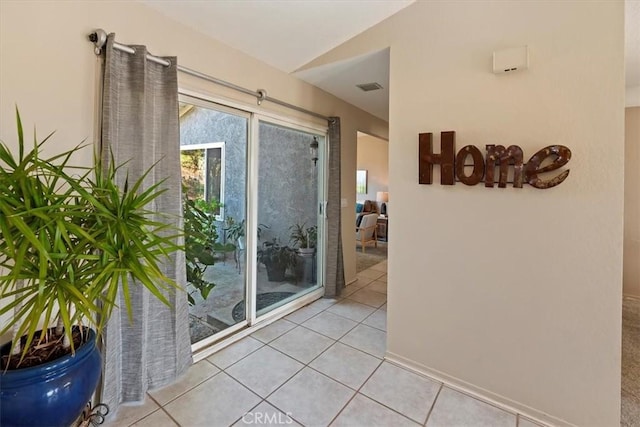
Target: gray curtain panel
140,126
335,266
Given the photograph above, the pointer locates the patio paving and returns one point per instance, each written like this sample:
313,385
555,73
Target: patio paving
216,312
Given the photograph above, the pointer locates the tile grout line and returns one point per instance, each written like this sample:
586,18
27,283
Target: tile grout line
358,321
152,412
358,392
457,390
188,390
162,406
171,417
379,309
287,380
278,336
336,314
371,269
357,302
370,279
327,336
307,365
221,370
250,410
278,388
365,352
241,358
343,343
477,398
355,392
253,392
206,379
368,305
433,404
288,356
270,404
374,371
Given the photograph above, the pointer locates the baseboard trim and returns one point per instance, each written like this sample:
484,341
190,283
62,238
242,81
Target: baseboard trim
478,392
629,296
354,280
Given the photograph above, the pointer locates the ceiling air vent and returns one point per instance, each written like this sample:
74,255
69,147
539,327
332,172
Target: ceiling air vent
368,87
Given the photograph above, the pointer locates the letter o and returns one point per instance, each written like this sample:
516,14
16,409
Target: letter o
478,165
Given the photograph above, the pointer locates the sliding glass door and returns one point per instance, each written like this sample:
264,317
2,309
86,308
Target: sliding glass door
213,155
252,201
289,214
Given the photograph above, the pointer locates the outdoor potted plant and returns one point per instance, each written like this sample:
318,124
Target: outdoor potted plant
235,231
305,238
70,240
277,259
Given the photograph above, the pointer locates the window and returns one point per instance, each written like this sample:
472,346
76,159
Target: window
203,175
361,181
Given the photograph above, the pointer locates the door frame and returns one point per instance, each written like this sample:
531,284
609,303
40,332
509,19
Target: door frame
251,323
321,216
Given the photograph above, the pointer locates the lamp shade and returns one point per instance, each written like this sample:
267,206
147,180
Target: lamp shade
382,196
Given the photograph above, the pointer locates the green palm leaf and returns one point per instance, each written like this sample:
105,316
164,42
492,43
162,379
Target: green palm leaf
72,239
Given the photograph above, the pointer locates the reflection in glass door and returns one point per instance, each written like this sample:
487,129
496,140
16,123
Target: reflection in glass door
290,162
213,155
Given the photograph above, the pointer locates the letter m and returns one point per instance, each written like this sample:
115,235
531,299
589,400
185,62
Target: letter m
505,157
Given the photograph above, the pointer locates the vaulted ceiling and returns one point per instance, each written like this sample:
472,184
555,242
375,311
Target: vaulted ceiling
288,34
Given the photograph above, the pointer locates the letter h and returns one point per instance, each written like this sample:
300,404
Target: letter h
445,159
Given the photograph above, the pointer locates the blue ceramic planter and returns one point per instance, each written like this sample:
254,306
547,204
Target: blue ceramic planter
52,394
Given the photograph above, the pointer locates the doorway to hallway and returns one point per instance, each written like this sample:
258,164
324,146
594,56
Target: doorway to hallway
372,201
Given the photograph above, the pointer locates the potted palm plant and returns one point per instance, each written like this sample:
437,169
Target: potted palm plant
71,238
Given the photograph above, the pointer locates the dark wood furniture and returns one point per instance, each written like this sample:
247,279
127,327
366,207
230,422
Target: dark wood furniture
383,228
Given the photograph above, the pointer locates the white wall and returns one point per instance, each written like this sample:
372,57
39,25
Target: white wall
632,203
47,68
514,293
632,96
373,156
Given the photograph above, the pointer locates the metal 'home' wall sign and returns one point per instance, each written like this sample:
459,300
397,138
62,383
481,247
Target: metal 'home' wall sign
452,165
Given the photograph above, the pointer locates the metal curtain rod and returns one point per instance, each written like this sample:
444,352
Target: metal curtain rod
99,39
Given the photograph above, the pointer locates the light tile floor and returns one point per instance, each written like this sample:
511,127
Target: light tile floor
322,365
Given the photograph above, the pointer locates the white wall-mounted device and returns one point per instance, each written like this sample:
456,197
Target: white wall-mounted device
512,59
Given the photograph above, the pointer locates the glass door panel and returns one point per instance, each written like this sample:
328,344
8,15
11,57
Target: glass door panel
213,144
289,189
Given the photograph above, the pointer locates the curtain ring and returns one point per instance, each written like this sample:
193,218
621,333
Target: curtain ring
262,95
99,39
